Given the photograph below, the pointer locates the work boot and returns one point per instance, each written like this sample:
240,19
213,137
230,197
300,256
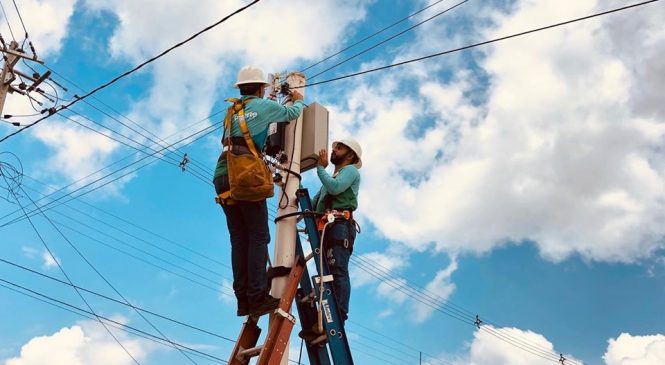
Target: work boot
243,309
269,304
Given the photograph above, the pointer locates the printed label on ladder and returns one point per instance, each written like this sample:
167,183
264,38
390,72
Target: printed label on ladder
326,310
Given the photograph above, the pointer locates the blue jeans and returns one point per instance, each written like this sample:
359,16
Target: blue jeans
248,228
339,239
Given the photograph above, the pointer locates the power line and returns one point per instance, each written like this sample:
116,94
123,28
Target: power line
85,259
166,156
170,319
93,91
371,35
115,324
206,130
21,18
389,39
138,125
201,133
427,300
165,239
67,276
8,23
477,44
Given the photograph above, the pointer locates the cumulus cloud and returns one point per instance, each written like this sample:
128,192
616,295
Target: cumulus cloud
84,343
635,350
45,21
187,82
439,289
396,290
77,152
49,261
487,348
542,140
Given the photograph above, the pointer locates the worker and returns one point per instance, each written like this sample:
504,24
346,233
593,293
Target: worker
339,192
247,221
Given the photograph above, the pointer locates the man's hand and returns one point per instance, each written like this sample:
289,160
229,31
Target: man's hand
296,95
323,158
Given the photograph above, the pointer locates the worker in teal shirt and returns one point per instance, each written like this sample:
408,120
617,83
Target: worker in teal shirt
340,192
247,221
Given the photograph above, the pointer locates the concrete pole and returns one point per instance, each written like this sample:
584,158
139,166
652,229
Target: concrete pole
7,76
285,230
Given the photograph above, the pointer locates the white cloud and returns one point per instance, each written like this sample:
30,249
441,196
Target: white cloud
554,152
45,21
49,261
77,152
185,83
487,348
635,350
30,252
84,343
439,290
396,291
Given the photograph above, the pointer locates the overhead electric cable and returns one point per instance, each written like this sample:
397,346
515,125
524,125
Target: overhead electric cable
48,249
8,23
170,319
89,263
372,35
428,301
477,44
161,340
21,19
166,156
388,39
121,219
105,85
46,206
206,130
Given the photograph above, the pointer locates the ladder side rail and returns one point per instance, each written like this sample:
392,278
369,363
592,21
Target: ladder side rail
337,339
318,355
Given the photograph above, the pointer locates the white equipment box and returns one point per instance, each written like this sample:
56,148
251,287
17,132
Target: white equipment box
314,135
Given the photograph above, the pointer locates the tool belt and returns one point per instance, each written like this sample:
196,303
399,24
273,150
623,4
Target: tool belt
345,215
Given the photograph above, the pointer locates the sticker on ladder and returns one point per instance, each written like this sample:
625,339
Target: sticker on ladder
326,310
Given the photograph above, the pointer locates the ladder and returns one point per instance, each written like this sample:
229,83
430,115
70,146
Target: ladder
305,291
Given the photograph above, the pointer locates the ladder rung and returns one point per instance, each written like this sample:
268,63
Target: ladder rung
250,352
309,257
319,339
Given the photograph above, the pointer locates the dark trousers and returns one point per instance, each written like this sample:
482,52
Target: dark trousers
248,228
338,243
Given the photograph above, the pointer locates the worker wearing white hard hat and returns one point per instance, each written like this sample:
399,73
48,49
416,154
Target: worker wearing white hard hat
247,221
339,193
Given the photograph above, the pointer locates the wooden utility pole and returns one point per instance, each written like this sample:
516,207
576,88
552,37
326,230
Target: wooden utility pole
8,76
285,231
11,55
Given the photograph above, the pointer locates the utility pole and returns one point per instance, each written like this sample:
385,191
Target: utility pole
11,55
285,231
11,58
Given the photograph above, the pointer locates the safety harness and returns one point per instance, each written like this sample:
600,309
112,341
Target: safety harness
249,177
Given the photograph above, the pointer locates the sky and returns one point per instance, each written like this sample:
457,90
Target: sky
520,181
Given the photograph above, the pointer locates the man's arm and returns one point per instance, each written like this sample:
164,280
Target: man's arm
283,113
343,180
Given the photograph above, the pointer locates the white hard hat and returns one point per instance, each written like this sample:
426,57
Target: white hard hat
354,146
251,75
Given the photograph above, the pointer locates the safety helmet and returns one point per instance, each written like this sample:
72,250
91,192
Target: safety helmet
251,75
354,146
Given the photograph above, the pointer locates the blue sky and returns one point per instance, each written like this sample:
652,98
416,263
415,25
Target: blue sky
522,181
